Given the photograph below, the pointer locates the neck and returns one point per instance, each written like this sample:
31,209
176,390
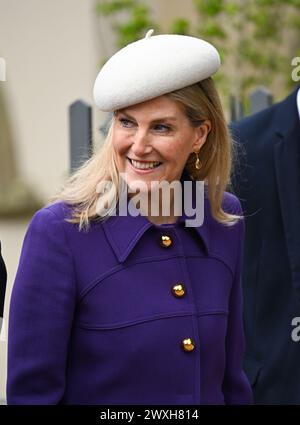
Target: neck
155,212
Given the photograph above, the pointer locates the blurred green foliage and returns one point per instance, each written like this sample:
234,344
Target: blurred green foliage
133,28
256,38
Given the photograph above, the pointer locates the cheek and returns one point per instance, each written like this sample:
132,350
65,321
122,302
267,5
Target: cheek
177,151
120,142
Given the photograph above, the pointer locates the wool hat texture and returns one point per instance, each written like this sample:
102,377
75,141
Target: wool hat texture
153,66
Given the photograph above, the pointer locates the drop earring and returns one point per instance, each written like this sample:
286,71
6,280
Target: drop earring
198,163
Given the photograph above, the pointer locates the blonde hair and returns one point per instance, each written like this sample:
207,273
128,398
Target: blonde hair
200,101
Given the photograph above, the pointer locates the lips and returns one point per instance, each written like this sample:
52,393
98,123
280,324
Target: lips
144,165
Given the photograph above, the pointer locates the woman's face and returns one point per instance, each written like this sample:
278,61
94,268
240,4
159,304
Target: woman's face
153,140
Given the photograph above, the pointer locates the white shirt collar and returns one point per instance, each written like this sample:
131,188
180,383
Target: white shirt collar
298,102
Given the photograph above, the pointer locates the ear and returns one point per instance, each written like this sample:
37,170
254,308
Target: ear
201,134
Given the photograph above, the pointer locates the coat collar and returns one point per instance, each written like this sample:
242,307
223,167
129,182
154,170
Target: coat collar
123,232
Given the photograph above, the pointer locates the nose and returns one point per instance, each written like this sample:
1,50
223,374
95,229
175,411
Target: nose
140,143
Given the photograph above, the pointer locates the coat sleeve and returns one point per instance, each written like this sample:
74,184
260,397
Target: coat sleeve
236,387
41,313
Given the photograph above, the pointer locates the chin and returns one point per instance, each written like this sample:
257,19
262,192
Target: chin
135,186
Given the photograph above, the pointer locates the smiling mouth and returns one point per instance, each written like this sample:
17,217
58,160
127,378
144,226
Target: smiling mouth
144,165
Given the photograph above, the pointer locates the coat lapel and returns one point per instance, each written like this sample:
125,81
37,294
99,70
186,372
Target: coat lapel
123,232
287,165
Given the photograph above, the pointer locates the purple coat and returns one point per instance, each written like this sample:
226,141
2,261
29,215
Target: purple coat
99,317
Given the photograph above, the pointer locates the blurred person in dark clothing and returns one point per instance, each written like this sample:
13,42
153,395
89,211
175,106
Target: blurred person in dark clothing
268,186
3,277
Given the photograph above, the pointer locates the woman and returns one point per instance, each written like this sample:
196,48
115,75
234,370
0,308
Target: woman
111,308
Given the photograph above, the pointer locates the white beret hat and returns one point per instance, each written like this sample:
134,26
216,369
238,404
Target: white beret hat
151,67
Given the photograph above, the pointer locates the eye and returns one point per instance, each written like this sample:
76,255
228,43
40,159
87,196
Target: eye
162,127
125,122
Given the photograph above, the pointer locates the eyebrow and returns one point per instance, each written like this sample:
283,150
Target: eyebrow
171,118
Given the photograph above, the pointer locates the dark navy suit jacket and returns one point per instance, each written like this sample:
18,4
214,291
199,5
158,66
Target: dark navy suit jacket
267,182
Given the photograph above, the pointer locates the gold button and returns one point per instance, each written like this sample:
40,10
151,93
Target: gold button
188,344
165,241
178,290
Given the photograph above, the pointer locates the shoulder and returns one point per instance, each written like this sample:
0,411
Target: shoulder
45,239
61,210
231,204
254,126
225,239
264,122
51,216
58,210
